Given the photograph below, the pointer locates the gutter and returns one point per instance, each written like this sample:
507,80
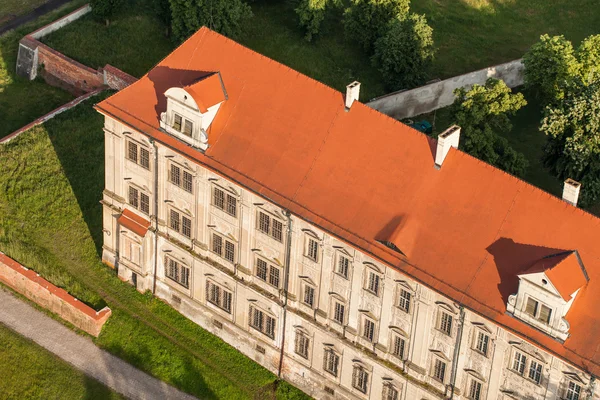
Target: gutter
288,250
457,350
155,212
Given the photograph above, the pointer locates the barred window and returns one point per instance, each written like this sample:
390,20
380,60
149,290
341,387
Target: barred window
219,296
177,119
309,295
368,329
445,323
139,200
390,392
331,362
187,181
180,223
439,369
404,300
573,391
262,322
225,201
177,272
301,344
181,178
360,378
132,151
343,266
223,247
270,226
188,128
518,364
535,371
267,272
144,158
482,342
138,154
175,175
312,249
398,346
474,390
373,281
339,312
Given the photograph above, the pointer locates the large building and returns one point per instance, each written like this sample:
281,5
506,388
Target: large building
339,248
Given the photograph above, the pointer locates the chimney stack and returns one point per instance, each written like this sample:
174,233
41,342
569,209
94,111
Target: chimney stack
448,138
571,191
352,92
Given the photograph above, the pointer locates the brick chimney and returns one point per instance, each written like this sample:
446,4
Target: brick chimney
352,92
448,138
571,191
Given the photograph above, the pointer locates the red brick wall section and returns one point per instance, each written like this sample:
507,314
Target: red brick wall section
52,298
117,79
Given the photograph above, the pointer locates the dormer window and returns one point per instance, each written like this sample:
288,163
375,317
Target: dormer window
177,119
539,311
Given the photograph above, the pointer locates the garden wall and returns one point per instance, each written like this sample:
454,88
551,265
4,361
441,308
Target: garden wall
424,99
52,298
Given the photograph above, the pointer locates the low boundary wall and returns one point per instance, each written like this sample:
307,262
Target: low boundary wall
52,298
424,99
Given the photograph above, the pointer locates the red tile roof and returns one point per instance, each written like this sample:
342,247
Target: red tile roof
207,91
467,230
134,222
565,270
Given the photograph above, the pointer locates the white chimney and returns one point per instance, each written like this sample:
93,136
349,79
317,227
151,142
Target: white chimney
448,138
571,191
352,92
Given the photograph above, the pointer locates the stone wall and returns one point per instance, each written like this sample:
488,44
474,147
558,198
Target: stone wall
424,99
52,298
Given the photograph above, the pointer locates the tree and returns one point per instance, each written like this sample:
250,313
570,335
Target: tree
405,52
105,9
162,10
223,16
311,13
549,65
588,55
482,113
365,21
573,129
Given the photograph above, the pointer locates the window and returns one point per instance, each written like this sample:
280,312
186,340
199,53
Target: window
225,201
519,361
139,200
331,362
404,300
181,178
474,390
301,344
373,281
439,369
270,226
343,265
138,154
573,391
131,250
312,250
545,314
389,392
368,329
445,323
482,342
223,247
360,378
218,296
537,310
309,295
188,128
535,371
267,272
177,122
177,272
398,346
180,223
262,322
339,312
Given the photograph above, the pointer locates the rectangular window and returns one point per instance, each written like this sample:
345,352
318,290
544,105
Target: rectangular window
339,312
223,247
177,272
181,178
390,392
535,371
368,329
301,345
144,203
189,127
186,226
519,361
134,197
144,158
187,181
261,269
219,296
139,200
267,272
131,250
177,122
138,154
132,151
404,300
532,307
474,390
482,342
360,379
225,201
309,295
445,323
373,283
545,314
312,250
343,266
398,346
573,391
439,370
180,223
175,175
331,362
262,322
270,226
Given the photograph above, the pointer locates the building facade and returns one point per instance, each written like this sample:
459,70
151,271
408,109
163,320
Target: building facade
334,319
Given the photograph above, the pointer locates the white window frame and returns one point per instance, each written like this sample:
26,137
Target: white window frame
262,321
390,392
179,179
177,225
269,276
445,321
139,148
229,201
394,338
405,299
266,222
224,297
306,292
519,362
474,389
538,371
481,338
343,261
373,281
573,390
135,200
128,250
331,358
435,361
538,310
302,343
312,245
368,329
334,310
361,378
182,275
223,251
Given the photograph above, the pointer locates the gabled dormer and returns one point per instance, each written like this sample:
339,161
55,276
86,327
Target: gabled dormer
191,109
547,291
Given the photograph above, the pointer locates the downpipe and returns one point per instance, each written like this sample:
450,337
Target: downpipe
288,250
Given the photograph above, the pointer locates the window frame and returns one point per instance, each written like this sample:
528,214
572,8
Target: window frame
267,325
224,240
390,392
138,198
126,239
434,369
445,321
395,336
476,384
185,281
330,355
403,303
139,147
220,303
180,225
360,378
572,393
340,257
539,371
478,333
269,268
536,315
519,362
376,282
306,289
335,303
182,174
229,201
271,221
368,329
308,247
302,344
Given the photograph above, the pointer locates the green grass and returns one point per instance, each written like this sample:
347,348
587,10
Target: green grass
29,371
13,8
51,179
21,100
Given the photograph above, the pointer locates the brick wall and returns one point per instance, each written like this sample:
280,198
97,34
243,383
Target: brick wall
52,298
114,78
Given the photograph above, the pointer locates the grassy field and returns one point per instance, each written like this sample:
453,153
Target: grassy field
51,179
29,371
21,100
10,9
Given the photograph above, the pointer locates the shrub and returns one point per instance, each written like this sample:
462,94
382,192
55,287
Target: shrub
105,9
311,13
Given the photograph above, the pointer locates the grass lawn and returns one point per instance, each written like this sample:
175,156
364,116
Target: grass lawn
29,371
51,179
13,8
21,100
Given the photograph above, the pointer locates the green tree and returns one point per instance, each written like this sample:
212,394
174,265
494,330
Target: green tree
549,65
162,10
311,13
573,129
405,52
105,9
482,112
365,21
588,55
223,16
